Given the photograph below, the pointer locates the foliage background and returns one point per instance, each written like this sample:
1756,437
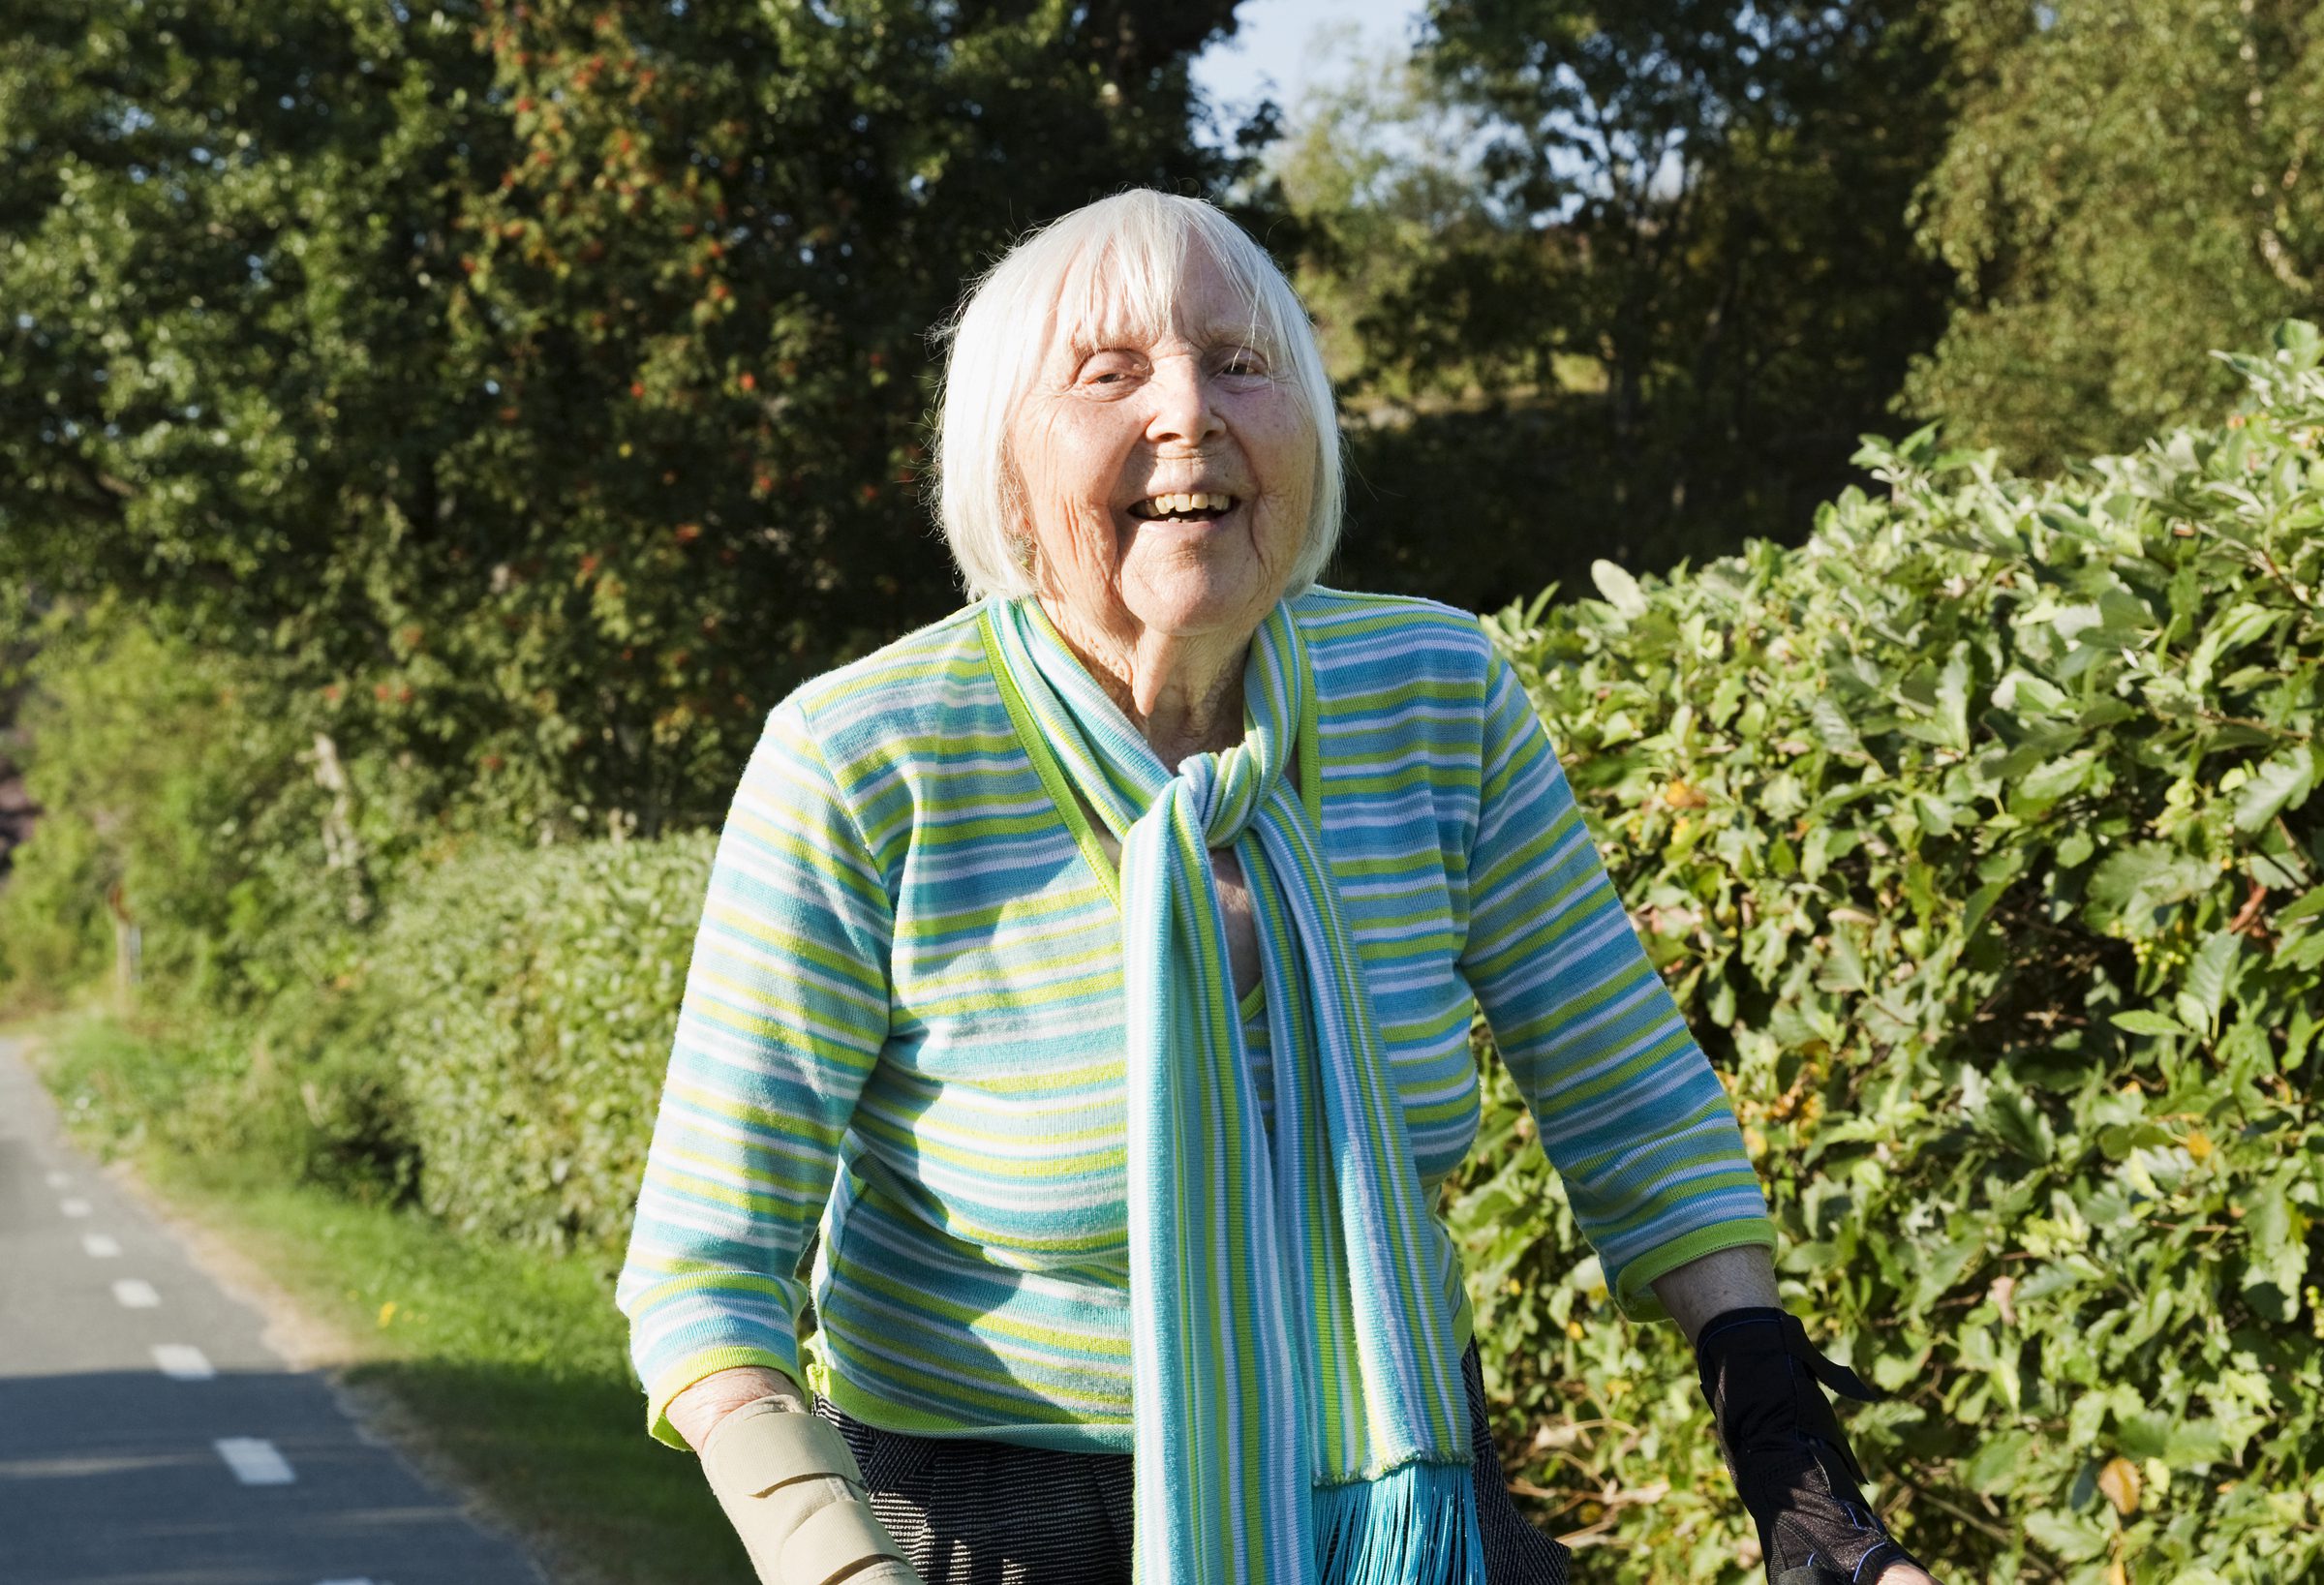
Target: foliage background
1977,838
431,438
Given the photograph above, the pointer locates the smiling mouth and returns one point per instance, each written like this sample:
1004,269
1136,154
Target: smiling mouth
1189,506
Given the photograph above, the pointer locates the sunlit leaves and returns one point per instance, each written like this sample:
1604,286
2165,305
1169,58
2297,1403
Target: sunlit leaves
1998,909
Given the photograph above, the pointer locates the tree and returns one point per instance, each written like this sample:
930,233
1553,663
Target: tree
2128,183
1685,288
539,385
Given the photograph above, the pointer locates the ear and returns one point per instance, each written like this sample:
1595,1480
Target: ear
1016,507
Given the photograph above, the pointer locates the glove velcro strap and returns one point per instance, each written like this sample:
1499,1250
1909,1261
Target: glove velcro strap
834,1543
762,1446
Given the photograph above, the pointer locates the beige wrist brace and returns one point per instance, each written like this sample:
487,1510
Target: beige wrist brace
795,1496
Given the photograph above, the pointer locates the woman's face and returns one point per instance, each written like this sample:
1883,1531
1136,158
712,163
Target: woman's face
1110,433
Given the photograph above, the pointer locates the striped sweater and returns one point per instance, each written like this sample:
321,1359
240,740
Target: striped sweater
902,1024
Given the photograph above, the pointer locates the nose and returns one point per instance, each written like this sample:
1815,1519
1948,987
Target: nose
1183,410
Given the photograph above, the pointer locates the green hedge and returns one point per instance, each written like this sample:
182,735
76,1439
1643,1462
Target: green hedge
531,998
1975,838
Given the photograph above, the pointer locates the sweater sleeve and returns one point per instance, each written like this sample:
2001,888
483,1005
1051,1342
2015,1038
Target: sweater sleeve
783,1015
1627,1106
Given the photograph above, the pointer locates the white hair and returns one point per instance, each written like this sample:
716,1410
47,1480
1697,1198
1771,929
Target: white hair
1111,266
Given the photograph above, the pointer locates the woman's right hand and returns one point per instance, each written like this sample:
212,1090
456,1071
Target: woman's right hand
792,1491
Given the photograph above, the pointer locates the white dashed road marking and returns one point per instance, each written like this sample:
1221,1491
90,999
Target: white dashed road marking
254,1461
183,1362
190,1449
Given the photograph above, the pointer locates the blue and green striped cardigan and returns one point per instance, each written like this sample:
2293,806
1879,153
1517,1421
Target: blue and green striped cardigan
903,1022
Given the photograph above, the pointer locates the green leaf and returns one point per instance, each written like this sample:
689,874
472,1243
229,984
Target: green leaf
1980,903
2118,1140
1843,967
1620,589
2021,1125
1995,1467
2310,904
2140,1020
2281,782
2132,884
2191,1011
2194,1443
2277,1231
2022,692
2073,1539
2212,975
1833,729
1952,697
2241,626
2047,783
2144,1435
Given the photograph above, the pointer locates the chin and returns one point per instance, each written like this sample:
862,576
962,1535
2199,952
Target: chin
1196,594
1196,604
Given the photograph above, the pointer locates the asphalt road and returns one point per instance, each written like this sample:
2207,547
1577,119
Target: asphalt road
147,1434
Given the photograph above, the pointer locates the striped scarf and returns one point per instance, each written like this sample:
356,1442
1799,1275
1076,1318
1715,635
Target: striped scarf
1299,1413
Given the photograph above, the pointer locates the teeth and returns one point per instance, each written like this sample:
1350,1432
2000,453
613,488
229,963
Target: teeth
1196,501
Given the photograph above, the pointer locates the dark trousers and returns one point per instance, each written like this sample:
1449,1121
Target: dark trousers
976,1512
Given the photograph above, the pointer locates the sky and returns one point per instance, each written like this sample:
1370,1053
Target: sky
1273,51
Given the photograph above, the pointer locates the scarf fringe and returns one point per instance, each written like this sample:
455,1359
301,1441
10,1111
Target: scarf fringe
1414,1525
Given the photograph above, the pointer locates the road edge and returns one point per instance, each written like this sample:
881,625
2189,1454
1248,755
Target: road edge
311,1342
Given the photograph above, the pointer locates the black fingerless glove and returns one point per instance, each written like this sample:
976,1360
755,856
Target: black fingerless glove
1791,1465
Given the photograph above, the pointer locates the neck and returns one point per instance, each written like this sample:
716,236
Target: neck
1182,691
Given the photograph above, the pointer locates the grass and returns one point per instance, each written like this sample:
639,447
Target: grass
510,1363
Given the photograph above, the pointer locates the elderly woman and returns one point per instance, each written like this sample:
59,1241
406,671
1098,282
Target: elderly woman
1094,969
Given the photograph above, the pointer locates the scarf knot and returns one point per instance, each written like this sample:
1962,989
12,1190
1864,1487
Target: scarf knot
1299,1415
1223,792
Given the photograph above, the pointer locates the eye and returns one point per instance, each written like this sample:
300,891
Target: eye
1109,369
1242,360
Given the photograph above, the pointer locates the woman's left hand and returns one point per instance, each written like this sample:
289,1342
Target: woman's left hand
1904,1574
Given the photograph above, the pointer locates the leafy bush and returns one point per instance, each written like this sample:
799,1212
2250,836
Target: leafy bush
214,1089
1977,840
531,999
150,763
180,783
243,845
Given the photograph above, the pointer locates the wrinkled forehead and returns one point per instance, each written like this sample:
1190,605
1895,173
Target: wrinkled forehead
1121,296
